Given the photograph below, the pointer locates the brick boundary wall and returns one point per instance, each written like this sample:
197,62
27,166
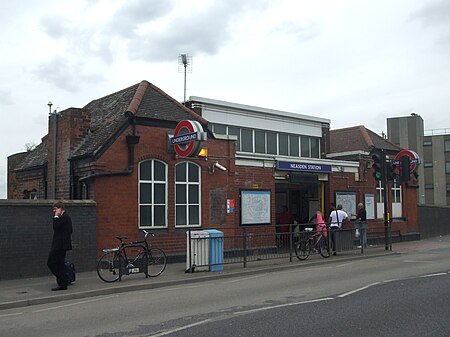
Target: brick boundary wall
26,234
433,220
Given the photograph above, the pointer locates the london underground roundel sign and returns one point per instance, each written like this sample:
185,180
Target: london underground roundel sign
413,156
188,137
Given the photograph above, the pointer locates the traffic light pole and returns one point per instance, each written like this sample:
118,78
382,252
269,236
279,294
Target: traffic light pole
385,198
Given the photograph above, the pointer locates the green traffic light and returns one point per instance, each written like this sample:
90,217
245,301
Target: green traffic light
377,175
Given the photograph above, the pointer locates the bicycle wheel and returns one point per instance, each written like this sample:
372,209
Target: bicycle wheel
156,262
302,249
108,265
324,248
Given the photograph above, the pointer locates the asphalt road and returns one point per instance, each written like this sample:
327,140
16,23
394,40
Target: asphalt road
373,297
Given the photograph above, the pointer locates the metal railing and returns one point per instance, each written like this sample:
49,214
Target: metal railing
246,245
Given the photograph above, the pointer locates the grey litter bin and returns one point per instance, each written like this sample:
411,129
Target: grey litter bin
344,240
197,250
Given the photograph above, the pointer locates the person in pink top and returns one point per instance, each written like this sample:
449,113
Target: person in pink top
321,227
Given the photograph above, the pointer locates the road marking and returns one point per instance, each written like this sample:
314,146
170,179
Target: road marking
245,278
76,303
168,332
391,280
14,314
415,261
359,289
281,306
431,275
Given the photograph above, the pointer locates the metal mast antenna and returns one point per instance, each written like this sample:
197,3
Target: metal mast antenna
184,65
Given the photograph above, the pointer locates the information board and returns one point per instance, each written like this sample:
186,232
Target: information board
255,207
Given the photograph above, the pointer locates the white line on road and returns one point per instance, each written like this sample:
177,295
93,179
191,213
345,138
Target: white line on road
14,314
431,275
76,303
359,289
416,261
168,332
281,306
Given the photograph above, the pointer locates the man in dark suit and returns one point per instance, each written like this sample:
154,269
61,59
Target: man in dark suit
61,243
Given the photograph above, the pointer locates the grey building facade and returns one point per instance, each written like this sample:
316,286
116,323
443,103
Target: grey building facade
433,148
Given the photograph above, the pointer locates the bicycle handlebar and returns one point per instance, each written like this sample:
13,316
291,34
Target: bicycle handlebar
122,238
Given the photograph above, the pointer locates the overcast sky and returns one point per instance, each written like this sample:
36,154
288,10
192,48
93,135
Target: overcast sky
355,62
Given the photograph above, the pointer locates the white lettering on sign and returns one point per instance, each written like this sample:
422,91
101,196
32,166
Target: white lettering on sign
184,138
312,167
298,166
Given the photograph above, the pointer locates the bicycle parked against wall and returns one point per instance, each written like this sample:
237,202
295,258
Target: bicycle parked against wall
312,241
115,262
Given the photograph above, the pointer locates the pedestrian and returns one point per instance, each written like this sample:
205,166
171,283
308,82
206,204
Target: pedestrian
361,223
284,221
61,243
337,218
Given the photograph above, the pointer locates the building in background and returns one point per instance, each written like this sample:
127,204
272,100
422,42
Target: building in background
433,147
408,133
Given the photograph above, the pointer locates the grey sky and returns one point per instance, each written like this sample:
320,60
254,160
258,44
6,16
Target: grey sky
352,61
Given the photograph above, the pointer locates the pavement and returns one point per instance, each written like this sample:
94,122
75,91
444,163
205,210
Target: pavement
33,291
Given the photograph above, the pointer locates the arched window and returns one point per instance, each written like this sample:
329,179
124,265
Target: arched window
152,194
187,194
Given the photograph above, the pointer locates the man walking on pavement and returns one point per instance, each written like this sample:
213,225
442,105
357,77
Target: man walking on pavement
61,243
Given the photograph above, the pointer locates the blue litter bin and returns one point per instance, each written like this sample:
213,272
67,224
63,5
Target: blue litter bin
215,249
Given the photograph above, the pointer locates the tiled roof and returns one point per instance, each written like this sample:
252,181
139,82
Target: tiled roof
143,100
358,138
110,113
36,157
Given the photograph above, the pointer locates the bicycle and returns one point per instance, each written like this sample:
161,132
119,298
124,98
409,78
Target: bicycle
115,262
308,242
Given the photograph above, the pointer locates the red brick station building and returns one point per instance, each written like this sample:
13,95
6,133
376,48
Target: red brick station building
117,151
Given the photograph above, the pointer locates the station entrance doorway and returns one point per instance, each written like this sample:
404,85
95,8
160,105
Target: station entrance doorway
297,200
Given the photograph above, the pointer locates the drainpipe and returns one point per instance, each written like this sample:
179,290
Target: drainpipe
54,116
132,141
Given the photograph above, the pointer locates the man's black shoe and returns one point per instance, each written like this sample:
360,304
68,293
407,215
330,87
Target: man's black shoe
59,288
334,254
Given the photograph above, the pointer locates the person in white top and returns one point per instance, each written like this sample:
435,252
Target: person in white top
337,218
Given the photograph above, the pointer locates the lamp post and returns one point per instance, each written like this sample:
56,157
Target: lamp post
184,65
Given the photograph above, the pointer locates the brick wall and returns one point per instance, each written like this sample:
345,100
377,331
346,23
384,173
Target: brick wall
346,182
433,220
72,126
26,234
117,196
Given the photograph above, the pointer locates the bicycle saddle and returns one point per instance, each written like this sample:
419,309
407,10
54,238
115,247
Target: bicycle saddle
121,238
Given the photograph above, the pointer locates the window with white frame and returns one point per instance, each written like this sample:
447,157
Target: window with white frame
380,199
187,194
396,200
271,142
152,194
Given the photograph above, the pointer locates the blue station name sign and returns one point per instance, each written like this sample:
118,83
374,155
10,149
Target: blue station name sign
305,167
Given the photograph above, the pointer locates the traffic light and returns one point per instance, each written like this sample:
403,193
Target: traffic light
377,165
391,173
405,162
